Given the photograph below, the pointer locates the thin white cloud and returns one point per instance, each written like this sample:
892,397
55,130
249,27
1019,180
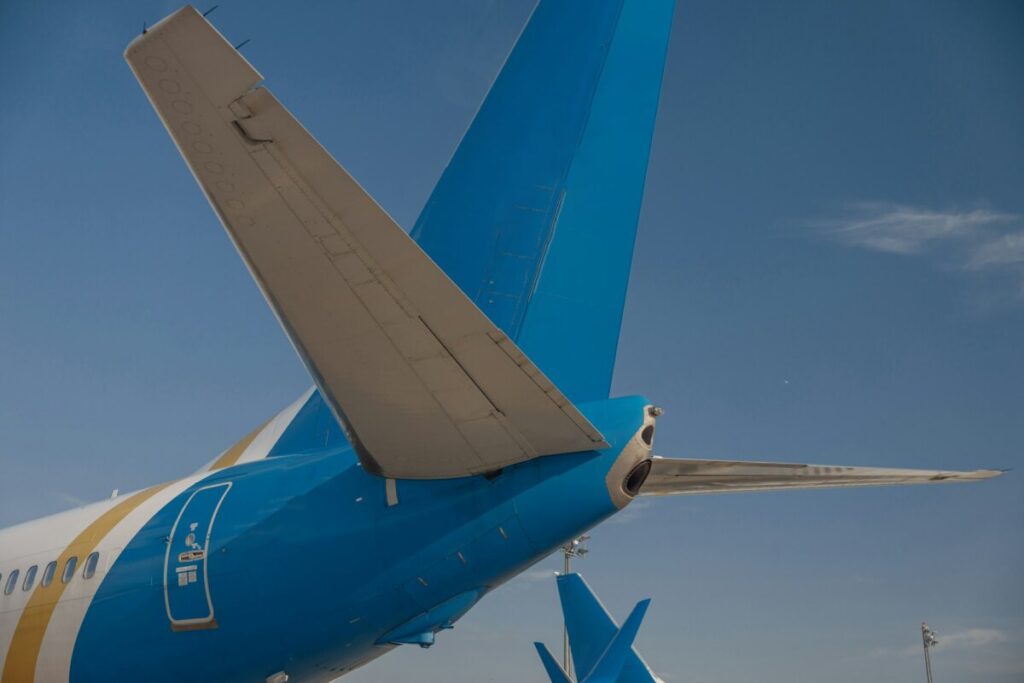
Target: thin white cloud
69,498
532,578
1005,250
966,639
631,513
979,241
973,637
537,575
903,229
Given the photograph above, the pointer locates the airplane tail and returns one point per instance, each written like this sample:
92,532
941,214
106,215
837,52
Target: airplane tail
553,669
601,651
610,667
535,215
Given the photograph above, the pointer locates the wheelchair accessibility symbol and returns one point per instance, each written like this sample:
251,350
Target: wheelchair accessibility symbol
187,593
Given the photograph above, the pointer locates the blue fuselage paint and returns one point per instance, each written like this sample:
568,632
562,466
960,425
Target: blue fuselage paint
308,566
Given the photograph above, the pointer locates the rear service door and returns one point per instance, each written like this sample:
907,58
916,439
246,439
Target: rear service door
186,565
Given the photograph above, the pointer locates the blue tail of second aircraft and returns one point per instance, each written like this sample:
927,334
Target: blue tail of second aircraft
554,671
535,216
601,651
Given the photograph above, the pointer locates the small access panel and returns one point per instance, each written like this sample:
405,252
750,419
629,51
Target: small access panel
186,564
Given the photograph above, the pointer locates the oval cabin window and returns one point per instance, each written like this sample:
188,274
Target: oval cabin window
48,573
30,578
69,569
90,565
12,581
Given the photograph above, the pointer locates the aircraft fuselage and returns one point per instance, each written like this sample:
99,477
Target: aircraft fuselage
311,566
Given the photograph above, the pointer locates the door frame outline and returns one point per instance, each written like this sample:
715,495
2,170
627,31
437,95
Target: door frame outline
202,622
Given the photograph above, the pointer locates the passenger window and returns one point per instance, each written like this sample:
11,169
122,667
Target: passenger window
69,569
90,565
30,578
12,581
48,573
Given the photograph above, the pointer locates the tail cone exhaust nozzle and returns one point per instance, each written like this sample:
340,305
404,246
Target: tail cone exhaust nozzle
634,481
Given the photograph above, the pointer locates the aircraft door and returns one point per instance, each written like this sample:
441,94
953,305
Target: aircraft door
186,564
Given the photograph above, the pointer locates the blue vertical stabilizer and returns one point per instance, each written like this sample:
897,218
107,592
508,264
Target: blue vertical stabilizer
601,652
554,670
535,216
610,666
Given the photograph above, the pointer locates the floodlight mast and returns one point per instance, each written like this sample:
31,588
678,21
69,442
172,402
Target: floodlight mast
929,639
574,548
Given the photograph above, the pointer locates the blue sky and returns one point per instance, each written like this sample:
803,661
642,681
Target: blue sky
830,268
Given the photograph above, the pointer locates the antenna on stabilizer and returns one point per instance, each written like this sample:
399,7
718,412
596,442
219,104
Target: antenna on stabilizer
210,11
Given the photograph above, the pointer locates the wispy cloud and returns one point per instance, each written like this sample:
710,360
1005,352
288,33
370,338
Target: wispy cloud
532,579
964,639
977,241
973,637
633,512
69,498
903,229
537,575
1006,250
980,652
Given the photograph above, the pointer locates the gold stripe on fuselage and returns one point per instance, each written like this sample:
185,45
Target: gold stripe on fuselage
23,652
231,455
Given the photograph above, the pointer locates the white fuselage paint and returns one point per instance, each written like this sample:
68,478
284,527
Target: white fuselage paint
41,541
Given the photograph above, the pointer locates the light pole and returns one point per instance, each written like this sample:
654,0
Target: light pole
572,549
929,639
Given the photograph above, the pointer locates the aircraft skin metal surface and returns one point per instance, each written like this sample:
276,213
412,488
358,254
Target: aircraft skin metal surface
434,460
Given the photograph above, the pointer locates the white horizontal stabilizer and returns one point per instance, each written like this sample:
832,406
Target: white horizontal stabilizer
425,384
670,476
